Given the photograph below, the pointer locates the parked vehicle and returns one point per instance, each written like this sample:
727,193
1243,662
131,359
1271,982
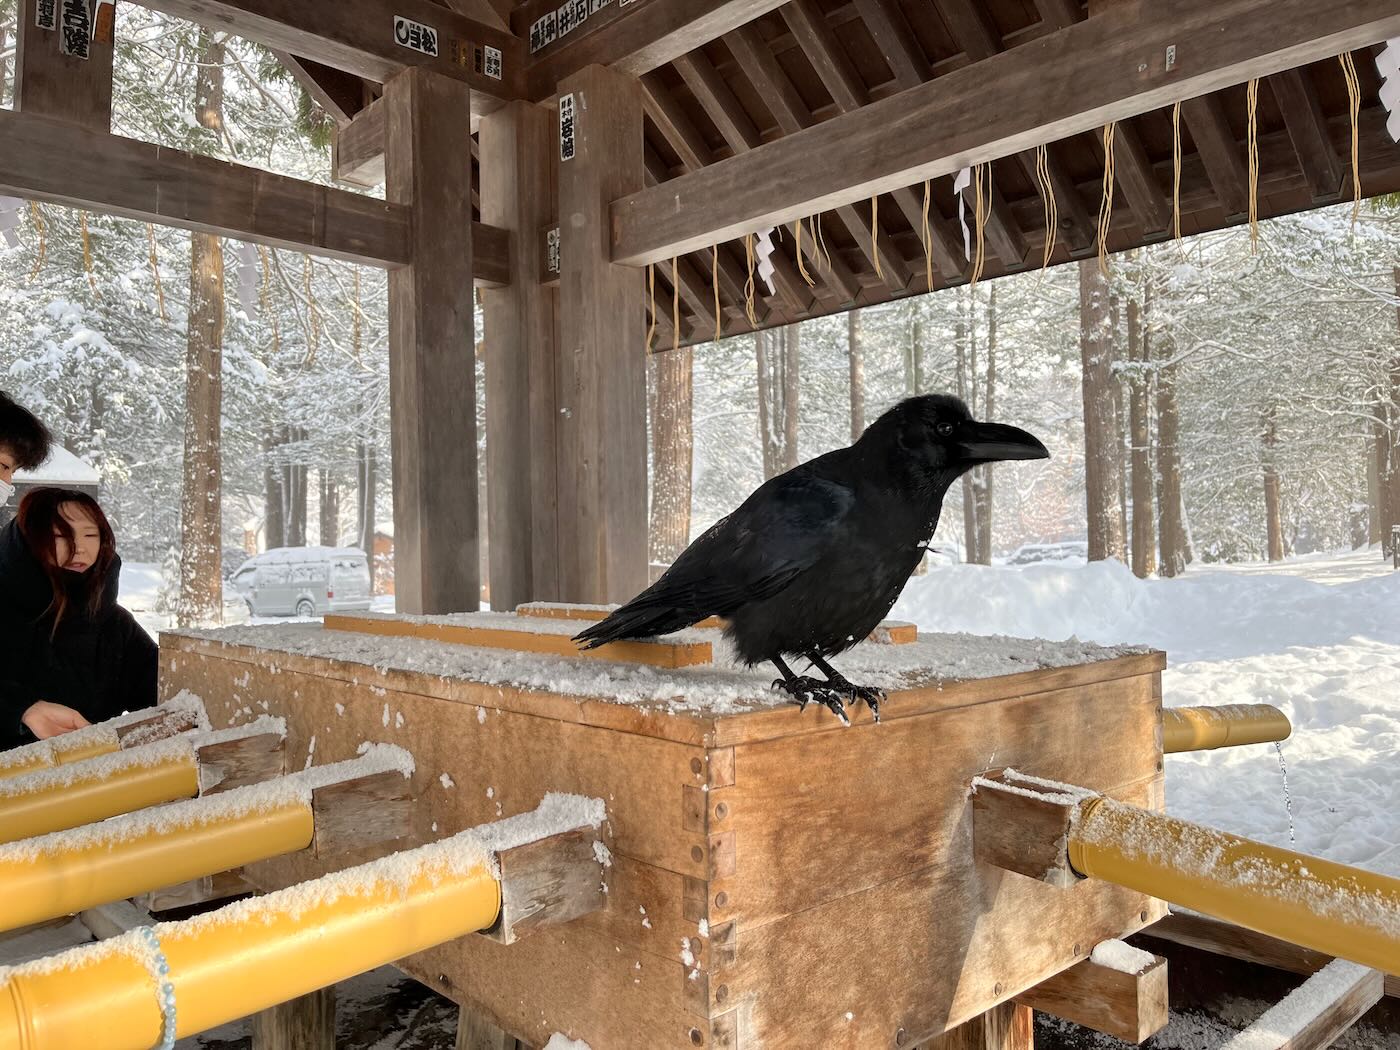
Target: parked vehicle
1033,553
304,581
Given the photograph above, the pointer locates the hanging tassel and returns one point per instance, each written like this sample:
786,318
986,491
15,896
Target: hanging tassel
155,272
355,316
313,323
1047,196
714,283
801,262
927,233
1176,177
875,235
1252,132
821,243
1354,98
1106,201
981,175
675,305
43,228
265,298
748,285
87,254
651,292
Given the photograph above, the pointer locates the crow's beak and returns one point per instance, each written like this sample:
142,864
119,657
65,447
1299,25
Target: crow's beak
985,442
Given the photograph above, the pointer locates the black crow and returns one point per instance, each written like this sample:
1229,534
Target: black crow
813,561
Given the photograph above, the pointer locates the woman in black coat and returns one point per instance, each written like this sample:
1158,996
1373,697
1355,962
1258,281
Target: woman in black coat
69,654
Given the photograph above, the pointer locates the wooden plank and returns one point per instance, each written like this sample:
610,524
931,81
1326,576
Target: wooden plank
1223,938
931,130
632,39
114,919
49,83
1126,1006
153,183
431,325
357,147
548,882
1307,129
304,1023
1009,1026
890,632
476,1032
601,380
1219,152
1318,1013
1022,831
1138,180
660,653
238,763
518,190
359,37
1057,14
340,94
218,887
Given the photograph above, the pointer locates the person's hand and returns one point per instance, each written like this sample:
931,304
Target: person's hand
45,719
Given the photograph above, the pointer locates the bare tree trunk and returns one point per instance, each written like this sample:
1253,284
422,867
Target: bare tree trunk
965,367
919,379
1102,432
1273,501
857,356
274,520
201,513
792,336
982,476
365,496
767,431
672,451
1144,550
1171,531
1373,454
330,509
1389,441
296,496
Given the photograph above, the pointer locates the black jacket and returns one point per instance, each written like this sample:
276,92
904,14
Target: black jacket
99,665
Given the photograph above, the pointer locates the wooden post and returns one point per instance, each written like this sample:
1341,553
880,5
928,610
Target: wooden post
49,83
519,166
307,1023
431,328
1009,1026
601,435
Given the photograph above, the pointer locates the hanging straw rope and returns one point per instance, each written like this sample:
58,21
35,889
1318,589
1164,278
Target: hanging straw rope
1106,201
87,254
981,176
155,271
675,305
43,228
1252,130
1176,176
927,233
1354,98
801,262
748,285
313,334
355,316
265,297
714,283
651,292
875,235
1047,196
821,242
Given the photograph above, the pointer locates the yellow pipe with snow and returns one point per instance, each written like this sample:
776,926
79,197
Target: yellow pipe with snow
252,955
55,754
1229,725
71,796
1343,911
64,874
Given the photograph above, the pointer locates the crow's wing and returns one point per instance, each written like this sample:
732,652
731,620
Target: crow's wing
783,529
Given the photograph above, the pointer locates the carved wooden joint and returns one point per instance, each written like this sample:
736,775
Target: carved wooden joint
1022,830
548,882
364,811
237,763
164,723
1127,1006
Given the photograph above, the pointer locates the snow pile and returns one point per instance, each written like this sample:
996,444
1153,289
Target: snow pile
1318,637
1287,1020
559,1041
1121,956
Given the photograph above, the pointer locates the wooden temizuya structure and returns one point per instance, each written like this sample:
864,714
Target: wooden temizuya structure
606,136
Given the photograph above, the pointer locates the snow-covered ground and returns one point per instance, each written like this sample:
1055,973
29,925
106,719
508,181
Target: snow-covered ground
1318,637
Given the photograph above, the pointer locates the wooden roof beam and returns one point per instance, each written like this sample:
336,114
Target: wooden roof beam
357,36
1057,14
937,127
339,93
1307,129
1136,176
1219,152
633,39
150,183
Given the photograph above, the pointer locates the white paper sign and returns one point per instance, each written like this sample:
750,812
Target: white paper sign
961,183
566,127
551,250
46,14
492,61
75,35
415,36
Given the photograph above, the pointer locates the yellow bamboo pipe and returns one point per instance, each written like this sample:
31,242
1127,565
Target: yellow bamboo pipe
1336,909
1229,725
252,955
49,877
71,796
55,754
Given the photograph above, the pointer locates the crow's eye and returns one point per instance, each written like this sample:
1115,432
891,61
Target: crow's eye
944,429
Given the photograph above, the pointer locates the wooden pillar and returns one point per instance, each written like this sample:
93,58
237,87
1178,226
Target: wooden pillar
49,83
476,1032
519,167
601,433
306,1023
432,377
1009,1026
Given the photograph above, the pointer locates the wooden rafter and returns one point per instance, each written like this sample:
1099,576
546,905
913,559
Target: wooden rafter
1220,153
931,130
339,93
1307,128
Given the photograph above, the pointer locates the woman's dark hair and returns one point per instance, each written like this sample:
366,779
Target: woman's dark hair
23,434
41,522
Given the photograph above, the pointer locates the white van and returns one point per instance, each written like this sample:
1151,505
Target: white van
305,581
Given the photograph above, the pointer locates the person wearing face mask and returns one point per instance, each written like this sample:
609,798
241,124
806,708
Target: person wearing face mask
69,654
24,444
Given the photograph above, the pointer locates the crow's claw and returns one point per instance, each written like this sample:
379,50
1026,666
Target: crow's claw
852,693
804,690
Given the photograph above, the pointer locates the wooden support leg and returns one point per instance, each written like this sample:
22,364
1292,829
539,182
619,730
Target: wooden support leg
431,364
475,1032
307,1023
601,436
519,167
1009,1026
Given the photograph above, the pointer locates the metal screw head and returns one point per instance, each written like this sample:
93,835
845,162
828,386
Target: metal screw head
721,899
722,810
1142,915
901,1037
1077,949
996,988
696,766
696,1037
721,993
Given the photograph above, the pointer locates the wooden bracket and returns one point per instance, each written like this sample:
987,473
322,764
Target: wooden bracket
1022,830
237,763
365,811
548,882
1124,1005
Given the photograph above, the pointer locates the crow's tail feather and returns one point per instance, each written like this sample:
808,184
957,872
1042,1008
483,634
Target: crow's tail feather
636,621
